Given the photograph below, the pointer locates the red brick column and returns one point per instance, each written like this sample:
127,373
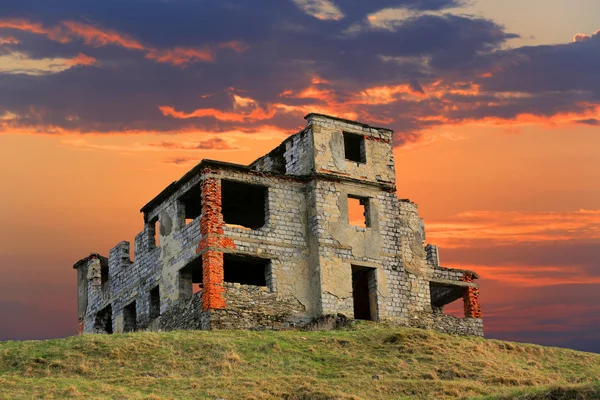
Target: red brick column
471,298
212,243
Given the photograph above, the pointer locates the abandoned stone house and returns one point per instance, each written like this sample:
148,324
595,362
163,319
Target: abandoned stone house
275,245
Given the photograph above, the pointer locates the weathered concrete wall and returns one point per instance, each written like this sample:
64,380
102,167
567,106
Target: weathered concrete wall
329,150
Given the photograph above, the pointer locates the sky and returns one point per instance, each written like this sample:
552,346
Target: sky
495,105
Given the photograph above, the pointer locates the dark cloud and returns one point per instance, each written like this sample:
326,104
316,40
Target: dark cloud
182,55
589,121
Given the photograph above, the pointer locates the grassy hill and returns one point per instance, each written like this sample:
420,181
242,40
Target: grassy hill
368,362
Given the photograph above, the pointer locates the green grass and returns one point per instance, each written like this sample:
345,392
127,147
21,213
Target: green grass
368,362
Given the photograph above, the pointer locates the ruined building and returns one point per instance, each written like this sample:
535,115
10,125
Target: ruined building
271,245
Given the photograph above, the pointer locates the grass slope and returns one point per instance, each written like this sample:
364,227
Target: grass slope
368,362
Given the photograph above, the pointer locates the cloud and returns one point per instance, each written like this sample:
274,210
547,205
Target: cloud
182,161
101,37
8,40
320,9
180,55
213,143
425,67
234,45
82,59
21,63
582,37
502,228
92,35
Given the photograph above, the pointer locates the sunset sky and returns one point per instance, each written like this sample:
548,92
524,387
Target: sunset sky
495,104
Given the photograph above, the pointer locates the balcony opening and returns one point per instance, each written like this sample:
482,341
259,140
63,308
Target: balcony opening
247,270
103,322
358,211
191,203
444,298
130,318
190,279
364,293
155,303
244,205
354,147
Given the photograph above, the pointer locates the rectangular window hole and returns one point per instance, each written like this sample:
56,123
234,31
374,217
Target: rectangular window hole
244,204
103,272
358,211
190,279
191,203
364,293
154,240
103,322
247,270
130,318
155,303
354,147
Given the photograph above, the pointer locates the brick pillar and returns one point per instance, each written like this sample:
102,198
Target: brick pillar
80,326
471,298
212,244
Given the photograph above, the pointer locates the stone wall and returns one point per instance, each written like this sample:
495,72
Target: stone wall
447,323
256,307
248,307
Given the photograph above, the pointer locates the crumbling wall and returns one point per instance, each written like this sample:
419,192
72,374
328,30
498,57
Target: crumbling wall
256,307
294,156
447,323
283,239
417,272
185,315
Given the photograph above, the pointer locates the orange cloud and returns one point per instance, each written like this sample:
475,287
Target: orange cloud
234,45
386,94
9,40
82,59
582,37
20,24
525,275
180,55
254,115
501,228
95,36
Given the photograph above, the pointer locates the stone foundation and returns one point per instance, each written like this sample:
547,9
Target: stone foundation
447,323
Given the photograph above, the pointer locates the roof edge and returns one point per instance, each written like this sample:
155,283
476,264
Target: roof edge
348,121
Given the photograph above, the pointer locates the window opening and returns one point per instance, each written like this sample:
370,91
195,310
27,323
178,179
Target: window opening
354,147
103,322
191,202
190,279
155,303
247,270
243,204
153,233
130,318
358,211
103,272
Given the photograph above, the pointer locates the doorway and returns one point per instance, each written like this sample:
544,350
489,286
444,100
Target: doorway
364,293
